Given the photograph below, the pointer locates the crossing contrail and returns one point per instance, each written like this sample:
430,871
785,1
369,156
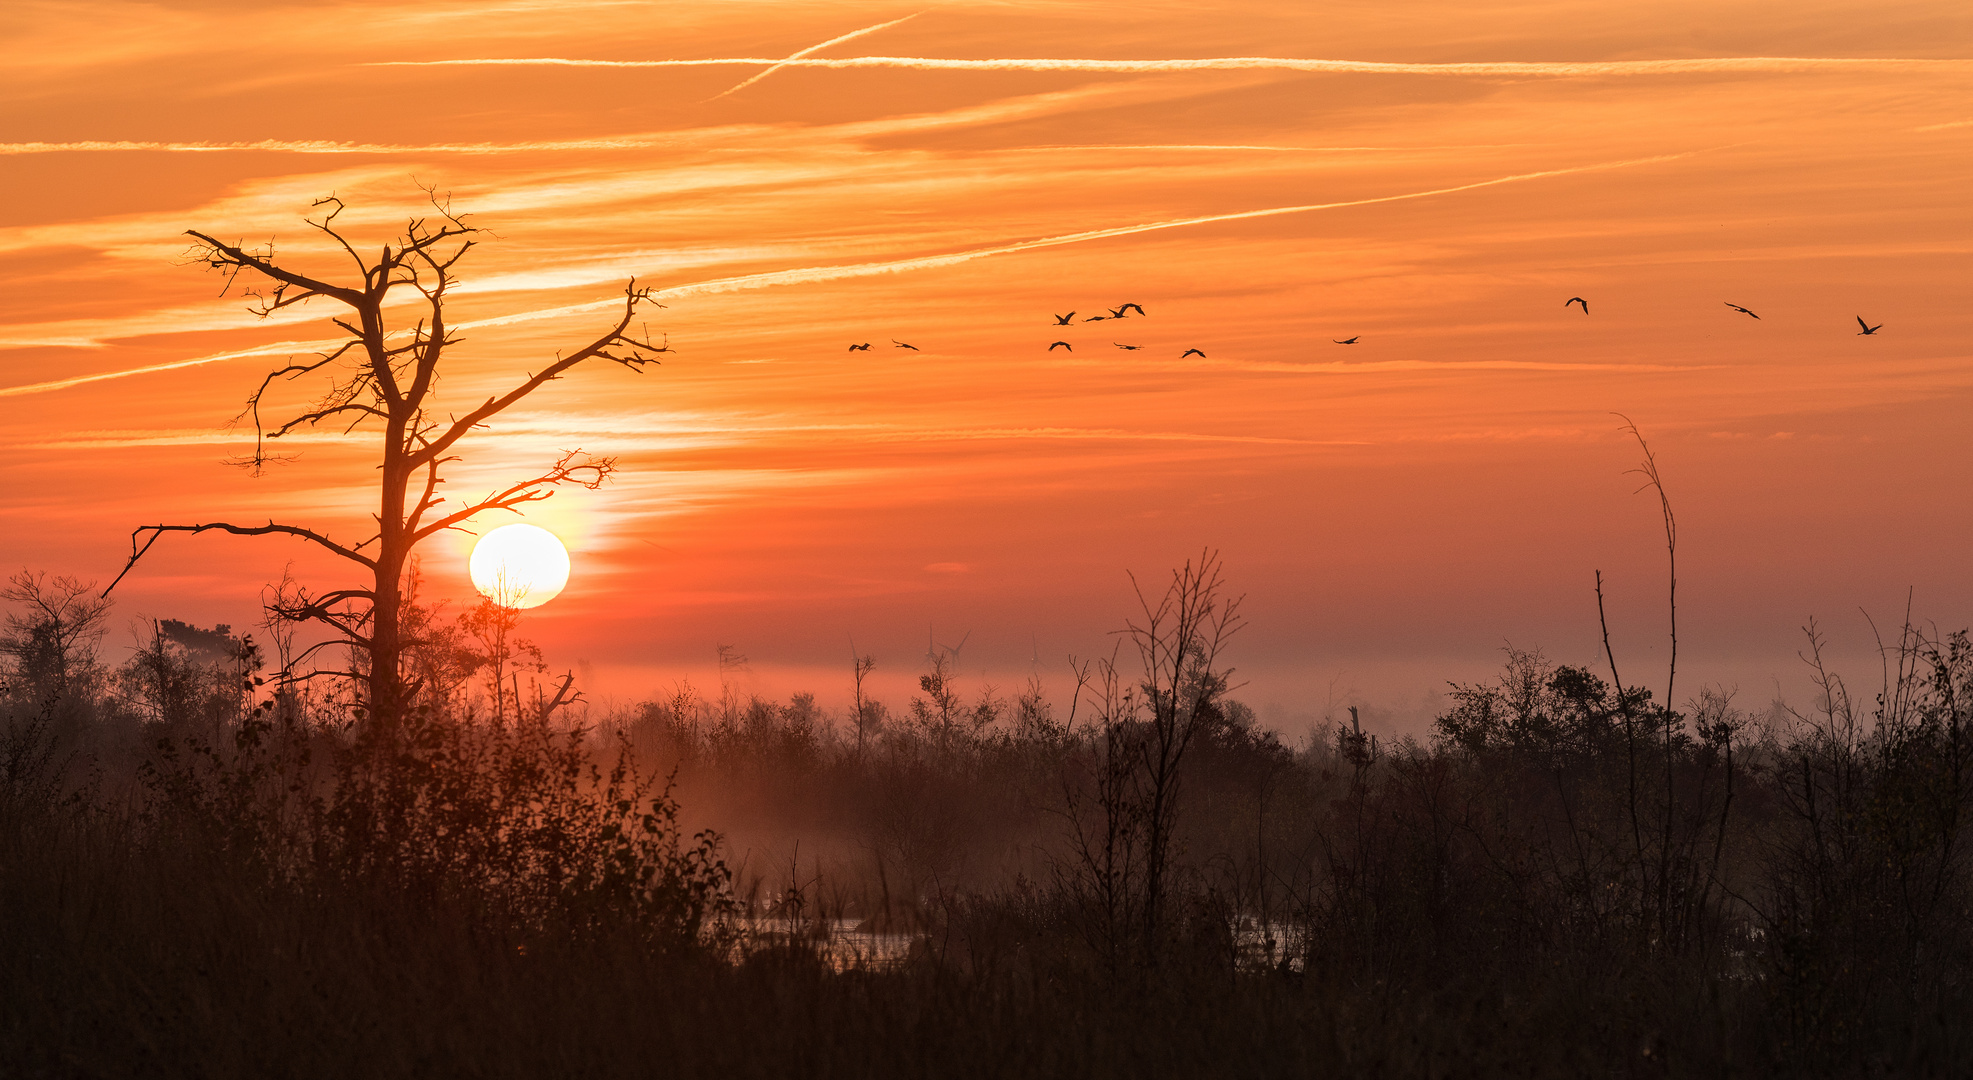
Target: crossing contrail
812,49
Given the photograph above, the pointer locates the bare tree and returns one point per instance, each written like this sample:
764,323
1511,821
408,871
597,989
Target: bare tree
385,379
1179,641
1123,815
51,636
860,668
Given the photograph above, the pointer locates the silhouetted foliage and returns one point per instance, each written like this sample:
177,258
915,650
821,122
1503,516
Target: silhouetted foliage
967,890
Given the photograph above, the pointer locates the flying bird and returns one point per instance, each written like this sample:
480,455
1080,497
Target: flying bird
1867,328
1346,341
865,347
1127,348
1063,320
1096,318
902,345
1062,344
1738,308
1127,307
1191,352
1577,300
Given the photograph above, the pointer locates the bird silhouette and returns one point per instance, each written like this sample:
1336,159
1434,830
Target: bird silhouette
1126,348
1867,328
1346,341
899,344
1063,320
1062,344
1118,313
1577,300
1096,318
865,347
1738,308
1191,352
1127,307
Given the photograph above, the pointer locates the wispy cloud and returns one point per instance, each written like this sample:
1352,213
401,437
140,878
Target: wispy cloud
812,50
674,437
818,274
1508,69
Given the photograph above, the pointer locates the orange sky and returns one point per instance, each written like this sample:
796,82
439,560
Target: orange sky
1396,509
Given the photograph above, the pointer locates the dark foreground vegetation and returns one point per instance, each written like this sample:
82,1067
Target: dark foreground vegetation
205,876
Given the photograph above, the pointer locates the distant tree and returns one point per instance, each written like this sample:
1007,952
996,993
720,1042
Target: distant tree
1123,825
189,674
49,639
1179,640
385,378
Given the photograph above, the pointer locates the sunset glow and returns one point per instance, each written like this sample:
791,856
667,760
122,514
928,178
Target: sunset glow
1428,182
519,566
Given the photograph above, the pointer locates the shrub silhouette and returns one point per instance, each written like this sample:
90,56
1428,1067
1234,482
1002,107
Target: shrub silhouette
517,892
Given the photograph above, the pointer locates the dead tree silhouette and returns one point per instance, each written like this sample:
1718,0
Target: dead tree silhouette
385,379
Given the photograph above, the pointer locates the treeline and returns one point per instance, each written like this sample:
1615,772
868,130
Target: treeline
208,871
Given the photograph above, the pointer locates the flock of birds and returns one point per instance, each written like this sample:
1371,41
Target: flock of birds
1124,310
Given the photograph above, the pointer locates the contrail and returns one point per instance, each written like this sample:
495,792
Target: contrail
832,273
1052,147
278,348
812,49
814,274
317,146
613,142
1511,69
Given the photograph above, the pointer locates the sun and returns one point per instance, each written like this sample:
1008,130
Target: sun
519,566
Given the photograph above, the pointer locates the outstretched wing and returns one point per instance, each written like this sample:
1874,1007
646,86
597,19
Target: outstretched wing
1865,325
1062,344
1191,352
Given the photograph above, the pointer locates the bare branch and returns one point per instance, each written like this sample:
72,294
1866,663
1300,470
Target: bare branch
632,356
589,473
221,255
270,528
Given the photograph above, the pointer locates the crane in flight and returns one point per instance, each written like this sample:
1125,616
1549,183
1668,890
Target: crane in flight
1867,328
1061,345
1346,341
1738,308
865,347
1063,320
1577,300
1191,352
